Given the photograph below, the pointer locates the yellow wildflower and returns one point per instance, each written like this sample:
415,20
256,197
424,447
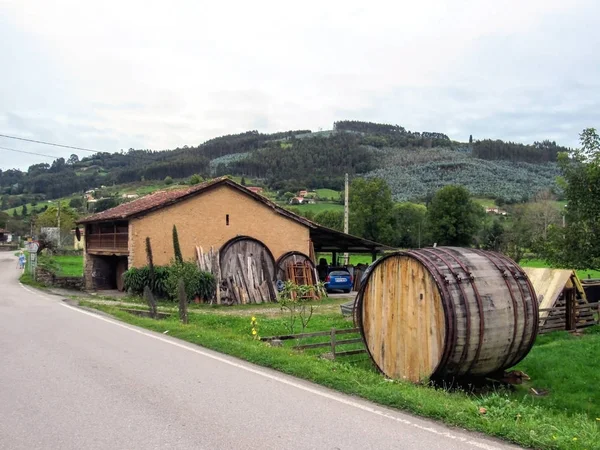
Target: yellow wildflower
253,319
254,332
574,438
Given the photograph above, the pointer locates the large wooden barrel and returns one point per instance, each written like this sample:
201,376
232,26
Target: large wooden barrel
446,311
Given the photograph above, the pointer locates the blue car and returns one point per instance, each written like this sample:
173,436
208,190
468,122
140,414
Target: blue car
339,280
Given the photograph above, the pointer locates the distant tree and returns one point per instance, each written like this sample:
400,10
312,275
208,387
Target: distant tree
454,217
76,203
577,245
243,181
168,180
49,218
410,226
195,179
371,208
492,235
288,196
73,159
518,237
470,139
24,211
176,247
331,219
4,218
105,203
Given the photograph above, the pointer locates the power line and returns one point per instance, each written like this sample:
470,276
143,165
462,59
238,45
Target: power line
29,153
50,143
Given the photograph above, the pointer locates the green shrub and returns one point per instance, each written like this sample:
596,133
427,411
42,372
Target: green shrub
136,279
197,283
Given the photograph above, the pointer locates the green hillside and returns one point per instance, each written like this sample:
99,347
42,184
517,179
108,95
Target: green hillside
414,164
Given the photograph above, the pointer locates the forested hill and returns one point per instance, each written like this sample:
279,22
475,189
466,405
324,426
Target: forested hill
303,159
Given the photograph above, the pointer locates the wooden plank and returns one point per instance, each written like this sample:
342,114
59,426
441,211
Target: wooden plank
348,341
351,352
314,334
333,342
317,345
244,281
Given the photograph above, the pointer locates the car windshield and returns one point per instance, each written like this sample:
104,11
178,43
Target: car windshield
339,273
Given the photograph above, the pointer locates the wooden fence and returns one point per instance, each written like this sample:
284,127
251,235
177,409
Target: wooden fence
570,317
333,343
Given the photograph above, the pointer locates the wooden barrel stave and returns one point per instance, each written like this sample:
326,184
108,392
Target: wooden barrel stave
486,318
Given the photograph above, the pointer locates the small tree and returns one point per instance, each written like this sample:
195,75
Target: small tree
176,247
296,304
195,179
150,301
182,296
168,180
150,261
243,181
453,217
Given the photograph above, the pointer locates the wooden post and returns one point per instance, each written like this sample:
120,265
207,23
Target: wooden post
217,275
570,310
333,343
373,256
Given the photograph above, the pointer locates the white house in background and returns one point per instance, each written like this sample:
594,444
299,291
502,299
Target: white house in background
302,201
130,196
498,211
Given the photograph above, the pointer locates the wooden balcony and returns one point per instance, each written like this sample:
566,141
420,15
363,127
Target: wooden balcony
108,243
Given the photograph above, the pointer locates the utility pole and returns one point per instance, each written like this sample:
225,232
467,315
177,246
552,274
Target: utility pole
346,189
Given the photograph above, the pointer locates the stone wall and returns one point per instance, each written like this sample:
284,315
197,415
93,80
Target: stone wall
47,278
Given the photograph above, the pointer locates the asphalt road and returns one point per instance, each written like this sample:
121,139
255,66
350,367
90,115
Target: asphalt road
71,379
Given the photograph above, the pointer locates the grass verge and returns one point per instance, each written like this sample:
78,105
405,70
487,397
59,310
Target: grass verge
69,266
522,420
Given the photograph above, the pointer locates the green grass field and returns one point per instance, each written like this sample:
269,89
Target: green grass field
69,266
571,387
565,419
329,194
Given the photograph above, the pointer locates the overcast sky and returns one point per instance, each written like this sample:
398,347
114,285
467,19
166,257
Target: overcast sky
114,75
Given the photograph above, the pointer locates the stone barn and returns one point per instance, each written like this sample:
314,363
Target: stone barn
220,214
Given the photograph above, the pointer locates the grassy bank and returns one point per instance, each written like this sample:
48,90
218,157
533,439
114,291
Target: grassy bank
69,266
516,416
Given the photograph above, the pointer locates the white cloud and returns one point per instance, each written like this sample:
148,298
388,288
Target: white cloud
149,74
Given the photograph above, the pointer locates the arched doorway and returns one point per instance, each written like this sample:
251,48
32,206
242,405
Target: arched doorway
248,270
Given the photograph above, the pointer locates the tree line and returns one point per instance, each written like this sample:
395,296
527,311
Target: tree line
539,152
314,162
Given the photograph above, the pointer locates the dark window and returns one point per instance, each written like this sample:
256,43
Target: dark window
227,219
